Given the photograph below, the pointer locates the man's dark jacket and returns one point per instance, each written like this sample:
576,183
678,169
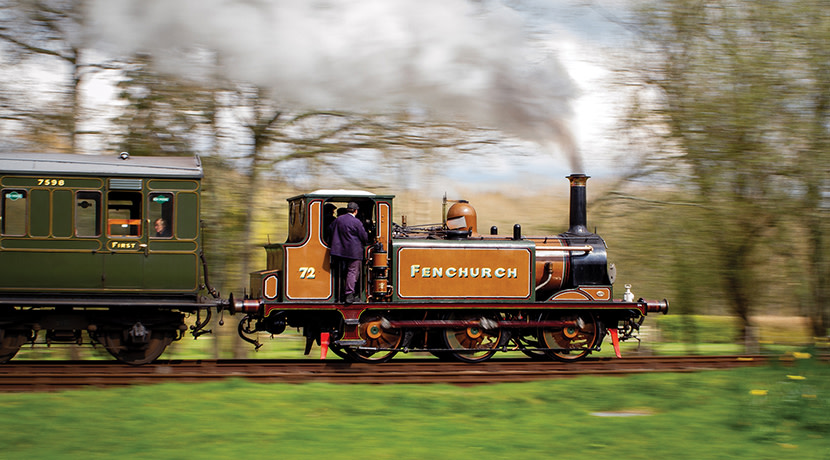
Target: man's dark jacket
348,237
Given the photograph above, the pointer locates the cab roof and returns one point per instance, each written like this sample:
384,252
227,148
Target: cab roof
67,164
339,194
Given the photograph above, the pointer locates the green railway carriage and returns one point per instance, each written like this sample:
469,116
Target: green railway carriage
110,245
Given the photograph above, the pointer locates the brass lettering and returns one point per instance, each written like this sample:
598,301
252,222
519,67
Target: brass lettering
463,272
123,245
51,182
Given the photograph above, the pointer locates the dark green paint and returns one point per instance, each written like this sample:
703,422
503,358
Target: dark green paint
69,183
163,185
50,258
62,207
39,212
187,216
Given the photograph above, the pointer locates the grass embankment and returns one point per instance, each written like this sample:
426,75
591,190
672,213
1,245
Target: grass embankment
776,412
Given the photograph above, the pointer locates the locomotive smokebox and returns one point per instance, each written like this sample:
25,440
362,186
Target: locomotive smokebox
578,224
591,267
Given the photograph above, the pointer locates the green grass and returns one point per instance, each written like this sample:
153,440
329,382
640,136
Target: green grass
754,413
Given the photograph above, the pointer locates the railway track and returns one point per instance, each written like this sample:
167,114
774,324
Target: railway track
32,376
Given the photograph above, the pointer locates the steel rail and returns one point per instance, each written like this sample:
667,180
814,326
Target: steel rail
33,376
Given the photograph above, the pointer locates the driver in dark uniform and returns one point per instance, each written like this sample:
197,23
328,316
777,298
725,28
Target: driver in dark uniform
348,239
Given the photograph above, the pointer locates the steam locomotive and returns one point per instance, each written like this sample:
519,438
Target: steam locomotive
112,245
446,289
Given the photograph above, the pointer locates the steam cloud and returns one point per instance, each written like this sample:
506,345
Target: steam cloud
457,59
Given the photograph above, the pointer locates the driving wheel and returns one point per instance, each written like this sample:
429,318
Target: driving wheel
378,335
473,343
570,343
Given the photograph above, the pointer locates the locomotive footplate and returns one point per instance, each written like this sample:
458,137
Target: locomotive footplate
395,313
484,323
565,330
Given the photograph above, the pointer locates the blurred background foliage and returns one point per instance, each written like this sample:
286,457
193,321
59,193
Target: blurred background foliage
727,112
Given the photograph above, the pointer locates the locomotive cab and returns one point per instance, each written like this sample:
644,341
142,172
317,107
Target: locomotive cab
300,270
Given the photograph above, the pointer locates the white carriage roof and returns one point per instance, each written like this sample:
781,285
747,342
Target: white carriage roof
339,194
100,165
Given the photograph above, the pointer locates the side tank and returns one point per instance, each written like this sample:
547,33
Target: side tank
457,263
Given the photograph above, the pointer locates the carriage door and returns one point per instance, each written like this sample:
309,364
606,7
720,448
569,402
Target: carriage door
172,262
126,236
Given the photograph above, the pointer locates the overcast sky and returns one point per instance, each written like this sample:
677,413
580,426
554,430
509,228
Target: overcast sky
533,69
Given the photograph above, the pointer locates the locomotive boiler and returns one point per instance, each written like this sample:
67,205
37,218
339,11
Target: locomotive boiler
444,289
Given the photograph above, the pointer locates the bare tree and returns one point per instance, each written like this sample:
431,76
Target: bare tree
164,115
722,74
50,34
806,27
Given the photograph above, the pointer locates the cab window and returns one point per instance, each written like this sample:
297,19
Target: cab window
88,214
296,221
124,214
161,215
13,213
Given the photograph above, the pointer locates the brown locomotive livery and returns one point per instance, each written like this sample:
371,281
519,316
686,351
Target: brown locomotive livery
444,289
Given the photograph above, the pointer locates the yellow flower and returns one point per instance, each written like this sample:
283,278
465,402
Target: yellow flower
758,392
796,377
808,396
798,355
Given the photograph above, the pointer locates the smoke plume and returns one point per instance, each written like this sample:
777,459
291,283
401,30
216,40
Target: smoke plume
456,59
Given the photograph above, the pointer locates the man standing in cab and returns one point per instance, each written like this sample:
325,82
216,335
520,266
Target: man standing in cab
348,240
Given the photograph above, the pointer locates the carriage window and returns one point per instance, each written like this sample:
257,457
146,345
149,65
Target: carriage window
161,215
13,214
88,214
124,214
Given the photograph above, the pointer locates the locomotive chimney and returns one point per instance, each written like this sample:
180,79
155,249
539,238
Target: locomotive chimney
578,205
